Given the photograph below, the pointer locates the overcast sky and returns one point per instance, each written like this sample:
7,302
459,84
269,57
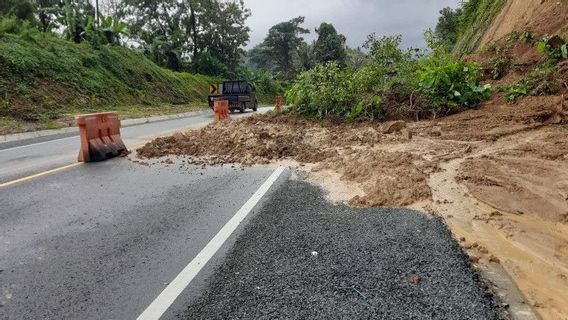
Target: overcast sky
353,18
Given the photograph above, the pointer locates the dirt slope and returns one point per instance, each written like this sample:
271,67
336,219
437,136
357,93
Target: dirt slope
539,16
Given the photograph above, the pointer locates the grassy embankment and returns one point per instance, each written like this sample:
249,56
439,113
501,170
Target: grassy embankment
476,20
44,81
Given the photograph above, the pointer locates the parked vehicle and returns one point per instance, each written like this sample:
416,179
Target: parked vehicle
240,94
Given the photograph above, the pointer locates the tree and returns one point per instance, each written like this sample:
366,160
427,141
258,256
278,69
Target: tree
176,32
283,41
224,32
260,57
447,29
356,58
330,46
76,19
306,56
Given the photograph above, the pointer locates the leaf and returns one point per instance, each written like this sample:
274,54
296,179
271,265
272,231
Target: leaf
541,47
564,50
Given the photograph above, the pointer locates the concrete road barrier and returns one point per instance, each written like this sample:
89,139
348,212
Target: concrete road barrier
100,136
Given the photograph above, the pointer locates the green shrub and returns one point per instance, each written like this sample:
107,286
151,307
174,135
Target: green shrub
396,83
324,91
451,85
553,54
516,91
539,82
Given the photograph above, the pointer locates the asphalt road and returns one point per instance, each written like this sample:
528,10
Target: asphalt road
304,258
101,241
21,159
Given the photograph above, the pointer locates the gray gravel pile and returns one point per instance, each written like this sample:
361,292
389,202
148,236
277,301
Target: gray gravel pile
304,258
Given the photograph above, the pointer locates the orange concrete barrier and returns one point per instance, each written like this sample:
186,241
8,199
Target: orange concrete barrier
221,108
278,103
100,136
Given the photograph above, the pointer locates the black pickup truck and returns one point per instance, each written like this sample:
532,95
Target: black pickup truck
240,94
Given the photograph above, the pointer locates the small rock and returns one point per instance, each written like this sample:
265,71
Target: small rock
495,214
494,259
414,279
314,254
483,250
475,245
393,126
407,134
462,239
474,259
436,132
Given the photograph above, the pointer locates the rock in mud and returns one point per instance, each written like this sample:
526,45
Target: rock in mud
393,126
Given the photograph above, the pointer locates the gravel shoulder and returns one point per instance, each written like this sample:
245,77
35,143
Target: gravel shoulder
303,257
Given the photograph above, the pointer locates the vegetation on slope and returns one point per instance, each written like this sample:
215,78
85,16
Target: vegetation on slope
460,30
43,77
394,83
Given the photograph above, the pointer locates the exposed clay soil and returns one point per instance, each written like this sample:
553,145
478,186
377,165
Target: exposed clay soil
541,16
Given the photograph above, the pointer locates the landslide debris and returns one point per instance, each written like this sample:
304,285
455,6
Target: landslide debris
390,179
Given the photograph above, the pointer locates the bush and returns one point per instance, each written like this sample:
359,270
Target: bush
395,84
451,85
324,91
555,49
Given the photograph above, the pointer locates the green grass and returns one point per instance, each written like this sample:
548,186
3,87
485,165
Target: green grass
477,23
44,80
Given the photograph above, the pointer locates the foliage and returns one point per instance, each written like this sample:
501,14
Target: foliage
330,46
306,56
356,58
451,85
447,29
206,63
554,48
517,90
12,25
394,83
266,84
538,82
175,33
460,30
282,43
260,57
324,91
49,76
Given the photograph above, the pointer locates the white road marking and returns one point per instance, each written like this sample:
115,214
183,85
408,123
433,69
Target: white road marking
161,304
38,143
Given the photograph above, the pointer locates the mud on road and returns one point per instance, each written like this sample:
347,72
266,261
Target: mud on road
498,175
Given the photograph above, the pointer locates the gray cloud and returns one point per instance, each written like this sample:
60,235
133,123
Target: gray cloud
354,18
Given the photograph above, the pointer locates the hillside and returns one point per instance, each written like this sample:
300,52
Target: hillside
45,80
538,16
492,21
